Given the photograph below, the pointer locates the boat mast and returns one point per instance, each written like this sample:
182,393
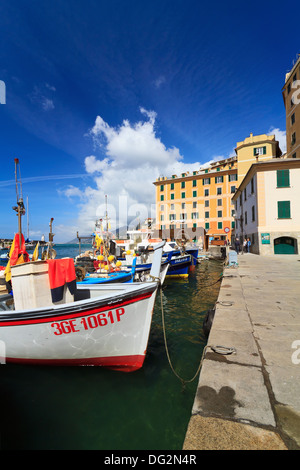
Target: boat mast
20,209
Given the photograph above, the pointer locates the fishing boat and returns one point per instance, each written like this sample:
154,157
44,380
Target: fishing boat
126,275
102,325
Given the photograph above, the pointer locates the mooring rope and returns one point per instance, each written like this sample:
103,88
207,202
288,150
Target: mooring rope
224,350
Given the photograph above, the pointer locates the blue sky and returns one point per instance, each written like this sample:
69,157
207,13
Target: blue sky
104,96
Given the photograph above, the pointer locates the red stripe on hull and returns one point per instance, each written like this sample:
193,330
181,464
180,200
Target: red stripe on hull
67,316
120,363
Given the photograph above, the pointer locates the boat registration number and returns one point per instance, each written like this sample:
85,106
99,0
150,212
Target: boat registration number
66,327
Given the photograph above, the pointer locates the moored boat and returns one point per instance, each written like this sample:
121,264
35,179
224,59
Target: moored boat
102,325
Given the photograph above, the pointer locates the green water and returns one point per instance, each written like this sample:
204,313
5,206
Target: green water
93,408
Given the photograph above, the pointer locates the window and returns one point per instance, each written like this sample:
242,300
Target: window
246,221
206,215
293,138
161,187
284,209
162,207
162,197
293,119
182,184
194,183
233,224
232,177
220,225
294,155
252,185
245,194
289,88
195,215
172,207
183,205
259,151
195,204
182,195
194,172
172,216
162,217
219,191
219,213
194,193
206,181
283,178
206,203
219,179
172,186
219,202
206,192
232,189
172,196
206,225
183,216
241,200
253,213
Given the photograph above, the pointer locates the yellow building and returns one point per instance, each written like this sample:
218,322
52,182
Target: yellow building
196,201
291,98
254,149
202,199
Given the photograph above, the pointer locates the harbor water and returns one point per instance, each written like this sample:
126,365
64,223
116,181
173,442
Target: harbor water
94,408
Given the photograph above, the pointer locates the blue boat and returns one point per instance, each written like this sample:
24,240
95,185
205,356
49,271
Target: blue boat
179,266
109,278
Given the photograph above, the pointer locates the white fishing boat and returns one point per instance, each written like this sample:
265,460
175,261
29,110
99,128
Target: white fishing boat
101,325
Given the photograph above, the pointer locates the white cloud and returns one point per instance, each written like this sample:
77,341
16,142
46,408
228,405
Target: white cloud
134,157
280,136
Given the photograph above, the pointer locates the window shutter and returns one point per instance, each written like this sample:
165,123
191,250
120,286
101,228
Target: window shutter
284,209
283,178
264,150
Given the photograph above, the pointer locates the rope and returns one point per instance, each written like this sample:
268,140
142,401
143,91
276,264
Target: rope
217,349
209,285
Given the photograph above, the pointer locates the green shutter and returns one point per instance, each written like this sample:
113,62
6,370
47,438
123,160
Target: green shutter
264,150
206,225
183,195
161,187
172,185
254,151
194,193
284,209
220,225
283,178
172,196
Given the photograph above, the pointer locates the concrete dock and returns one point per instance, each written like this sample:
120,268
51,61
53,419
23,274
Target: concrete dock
248,391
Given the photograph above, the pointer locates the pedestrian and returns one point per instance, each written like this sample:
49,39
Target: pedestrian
244,246
237,245
248,245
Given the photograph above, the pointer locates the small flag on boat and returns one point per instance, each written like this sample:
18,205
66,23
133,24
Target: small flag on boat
36,252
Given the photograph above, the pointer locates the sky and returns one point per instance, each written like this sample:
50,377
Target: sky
104,96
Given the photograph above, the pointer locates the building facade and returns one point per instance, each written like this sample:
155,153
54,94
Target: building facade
291,99
267,207
197,201
202,200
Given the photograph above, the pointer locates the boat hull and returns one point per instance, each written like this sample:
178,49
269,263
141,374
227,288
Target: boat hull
179,266
110,332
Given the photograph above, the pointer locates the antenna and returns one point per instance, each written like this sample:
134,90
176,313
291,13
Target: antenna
20,209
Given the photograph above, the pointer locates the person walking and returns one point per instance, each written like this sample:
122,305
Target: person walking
244,249
248,245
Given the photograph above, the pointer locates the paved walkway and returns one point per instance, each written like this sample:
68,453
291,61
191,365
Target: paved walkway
250,399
